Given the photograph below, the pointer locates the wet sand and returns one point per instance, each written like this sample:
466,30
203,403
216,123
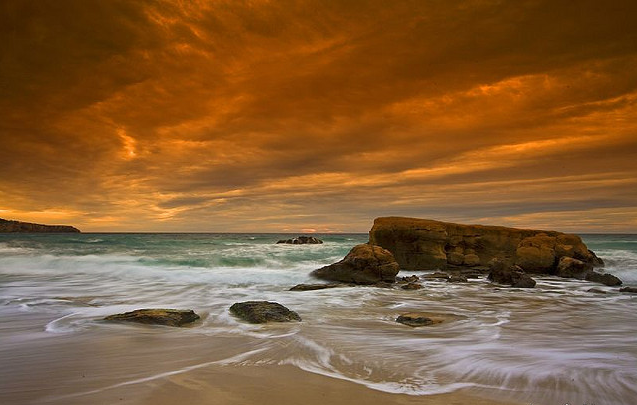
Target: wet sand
280,385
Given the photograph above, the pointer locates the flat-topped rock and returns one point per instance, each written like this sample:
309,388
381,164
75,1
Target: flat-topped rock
167,317
263,312
423,244
364,264
302,240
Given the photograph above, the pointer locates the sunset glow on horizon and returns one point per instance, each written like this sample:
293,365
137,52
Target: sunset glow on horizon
306,116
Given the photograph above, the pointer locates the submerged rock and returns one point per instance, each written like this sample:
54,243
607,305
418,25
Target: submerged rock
168,317
603,278
471,274
263,311
380,284
422,244
628,290
502,273
596,291
312,287
364,264
412,286
408,279
302,240
414,319
457,278
436,276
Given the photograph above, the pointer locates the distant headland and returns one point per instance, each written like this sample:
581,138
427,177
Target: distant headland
7,226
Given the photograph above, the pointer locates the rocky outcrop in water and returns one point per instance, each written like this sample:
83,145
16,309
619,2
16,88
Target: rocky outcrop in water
302,240
603,278
168,317
263,312
632,290
422,244
512,275
573,268
364,264
414,320
7,226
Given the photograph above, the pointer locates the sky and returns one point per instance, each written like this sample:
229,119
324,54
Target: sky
318,116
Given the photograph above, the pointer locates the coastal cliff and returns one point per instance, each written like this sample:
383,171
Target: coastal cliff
7,226
423,244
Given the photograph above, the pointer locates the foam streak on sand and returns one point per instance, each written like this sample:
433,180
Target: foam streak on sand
230,360
556,343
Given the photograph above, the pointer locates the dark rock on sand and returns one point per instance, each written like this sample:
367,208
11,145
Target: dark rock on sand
168,317
603,278
412,286
414,320
628,290
503,273
302,240
573,268
457,278
263,311
7,226
422,244
312,287
364,264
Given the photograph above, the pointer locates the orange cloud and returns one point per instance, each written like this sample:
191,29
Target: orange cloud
272,116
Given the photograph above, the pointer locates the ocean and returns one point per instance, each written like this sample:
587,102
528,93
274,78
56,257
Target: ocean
555,344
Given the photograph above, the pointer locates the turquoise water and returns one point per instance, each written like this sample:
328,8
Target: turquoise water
555,344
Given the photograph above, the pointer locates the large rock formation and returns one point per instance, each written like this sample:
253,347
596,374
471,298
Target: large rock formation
422,244
7,226
364,264
168,317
